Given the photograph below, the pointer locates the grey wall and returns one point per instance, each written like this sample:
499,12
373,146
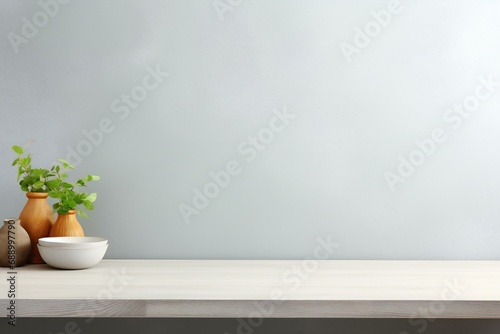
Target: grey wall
357,105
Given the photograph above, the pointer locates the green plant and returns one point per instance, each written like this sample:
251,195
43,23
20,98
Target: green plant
68,195
30,179
54,182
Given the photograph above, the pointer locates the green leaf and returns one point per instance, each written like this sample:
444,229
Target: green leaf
66,164
82,214
93,178
62,210
53,184
18,149
38,185
91,198
88,205
67,185
15,162
22,162
53,194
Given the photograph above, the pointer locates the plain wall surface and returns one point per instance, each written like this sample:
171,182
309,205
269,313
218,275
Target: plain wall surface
231,70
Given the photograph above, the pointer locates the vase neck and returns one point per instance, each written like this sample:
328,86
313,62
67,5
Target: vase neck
37,195
70,213
8,221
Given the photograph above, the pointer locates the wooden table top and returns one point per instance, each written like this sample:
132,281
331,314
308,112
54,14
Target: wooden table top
266,288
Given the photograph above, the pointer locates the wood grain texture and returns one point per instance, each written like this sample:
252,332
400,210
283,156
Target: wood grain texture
273,289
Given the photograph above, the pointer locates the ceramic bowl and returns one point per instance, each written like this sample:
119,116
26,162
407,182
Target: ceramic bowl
70,258
73,242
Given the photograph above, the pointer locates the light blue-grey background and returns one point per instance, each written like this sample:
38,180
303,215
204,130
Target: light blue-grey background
323,175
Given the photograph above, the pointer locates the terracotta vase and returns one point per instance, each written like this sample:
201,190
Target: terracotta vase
37,219
15,245
67,225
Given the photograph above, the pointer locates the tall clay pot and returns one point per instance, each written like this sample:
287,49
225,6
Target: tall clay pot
37,219
15,245
67,225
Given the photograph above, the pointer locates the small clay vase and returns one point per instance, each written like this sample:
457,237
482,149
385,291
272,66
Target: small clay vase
15,244
67,225
37,219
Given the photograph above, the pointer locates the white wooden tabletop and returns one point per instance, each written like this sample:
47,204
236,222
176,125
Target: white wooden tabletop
274,289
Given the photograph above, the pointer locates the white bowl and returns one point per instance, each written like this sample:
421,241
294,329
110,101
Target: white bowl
72,242
70,258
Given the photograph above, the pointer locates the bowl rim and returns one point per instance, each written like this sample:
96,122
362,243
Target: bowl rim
67,240
73,249
77,242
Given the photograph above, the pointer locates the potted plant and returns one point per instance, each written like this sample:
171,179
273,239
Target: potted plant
37,216
70,200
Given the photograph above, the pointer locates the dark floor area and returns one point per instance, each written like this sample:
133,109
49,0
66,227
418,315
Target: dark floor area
253,326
